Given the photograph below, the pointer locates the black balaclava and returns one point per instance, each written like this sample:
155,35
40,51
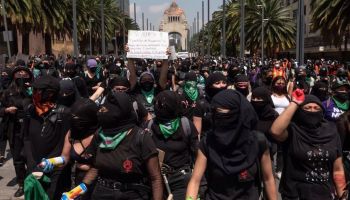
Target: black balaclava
84,119
119,81
320,90
213,78
309,119
22,82
232,145
167,106
68,93
263,108
242,78
147,85
117,114
6,77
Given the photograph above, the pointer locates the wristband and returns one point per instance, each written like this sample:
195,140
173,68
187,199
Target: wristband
294,102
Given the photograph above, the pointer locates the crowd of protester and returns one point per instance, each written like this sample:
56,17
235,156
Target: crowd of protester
198,128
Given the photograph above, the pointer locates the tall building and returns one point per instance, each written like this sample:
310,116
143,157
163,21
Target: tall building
174,21
124,4
315,44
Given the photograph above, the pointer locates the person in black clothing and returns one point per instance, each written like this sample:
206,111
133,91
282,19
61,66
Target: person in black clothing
177,137
78,145
202,117
263,106
313,166
125,158
241,83
320,90
45,127
189,94
233,153
70,71
14,101
68,93
93,78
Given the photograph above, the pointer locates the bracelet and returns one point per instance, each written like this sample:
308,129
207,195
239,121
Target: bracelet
294,102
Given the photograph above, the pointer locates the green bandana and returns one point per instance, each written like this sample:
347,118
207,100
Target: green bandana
169,128
111,143
29,91
148,95
342,106
191,90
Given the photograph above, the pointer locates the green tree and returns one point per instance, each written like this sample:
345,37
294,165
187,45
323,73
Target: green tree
332,18
279,29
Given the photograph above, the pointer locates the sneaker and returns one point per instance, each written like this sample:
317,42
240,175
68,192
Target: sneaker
19,192
2,160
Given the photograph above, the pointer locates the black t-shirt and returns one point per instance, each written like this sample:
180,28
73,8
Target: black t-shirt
81,86
203,110
243,185
179,148
92,82
46,136
127,162
308,169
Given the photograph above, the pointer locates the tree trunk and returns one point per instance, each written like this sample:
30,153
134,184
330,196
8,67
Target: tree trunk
25,43
48,43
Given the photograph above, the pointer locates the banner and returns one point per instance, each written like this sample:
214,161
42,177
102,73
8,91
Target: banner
148,44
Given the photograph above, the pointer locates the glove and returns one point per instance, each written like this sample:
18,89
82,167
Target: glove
75,192
46,165
298,96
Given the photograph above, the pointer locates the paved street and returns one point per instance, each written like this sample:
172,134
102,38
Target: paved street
8,184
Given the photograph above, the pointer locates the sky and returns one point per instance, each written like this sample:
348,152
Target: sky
154,9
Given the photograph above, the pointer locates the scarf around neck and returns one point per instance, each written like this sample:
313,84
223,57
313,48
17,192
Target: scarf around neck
109,142
148,95
169,128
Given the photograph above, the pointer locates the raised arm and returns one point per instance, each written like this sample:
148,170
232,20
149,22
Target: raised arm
279,127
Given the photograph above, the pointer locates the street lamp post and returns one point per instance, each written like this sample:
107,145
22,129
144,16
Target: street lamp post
262,31
90,37
75,29
242,36
300,33
224,29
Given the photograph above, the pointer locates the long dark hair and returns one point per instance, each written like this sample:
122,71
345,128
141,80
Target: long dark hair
285,92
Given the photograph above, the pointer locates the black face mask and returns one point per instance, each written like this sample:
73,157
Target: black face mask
93,70
213,91
224,121
147,86
67,100
21,82
308,119
279,89
244,91
341,96
258,105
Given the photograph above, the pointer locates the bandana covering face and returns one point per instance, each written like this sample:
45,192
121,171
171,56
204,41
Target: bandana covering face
41,107
148,95
169,128
191,90
111,142
341,105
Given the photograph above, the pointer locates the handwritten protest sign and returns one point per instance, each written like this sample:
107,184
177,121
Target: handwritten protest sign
148,44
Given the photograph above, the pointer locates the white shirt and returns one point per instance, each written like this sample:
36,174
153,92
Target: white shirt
280,103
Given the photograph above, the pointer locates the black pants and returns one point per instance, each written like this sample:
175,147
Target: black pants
178,184
60,183
103,193
16,148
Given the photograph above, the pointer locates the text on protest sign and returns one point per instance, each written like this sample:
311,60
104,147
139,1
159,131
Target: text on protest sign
148,44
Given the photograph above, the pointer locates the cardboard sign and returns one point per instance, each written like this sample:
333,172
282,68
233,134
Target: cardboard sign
148,44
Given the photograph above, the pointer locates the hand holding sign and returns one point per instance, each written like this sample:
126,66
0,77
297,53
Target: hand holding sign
148,44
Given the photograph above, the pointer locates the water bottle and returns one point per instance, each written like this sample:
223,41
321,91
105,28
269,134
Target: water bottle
74,193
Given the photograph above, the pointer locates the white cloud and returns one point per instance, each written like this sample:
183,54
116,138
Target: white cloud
158,8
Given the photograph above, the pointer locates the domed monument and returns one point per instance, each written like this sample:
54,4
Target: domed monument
174,21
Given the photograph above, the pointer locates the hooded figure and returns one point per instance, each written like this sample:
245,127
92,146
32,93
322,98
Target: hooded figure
215,83
320,90
241,83
68,93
